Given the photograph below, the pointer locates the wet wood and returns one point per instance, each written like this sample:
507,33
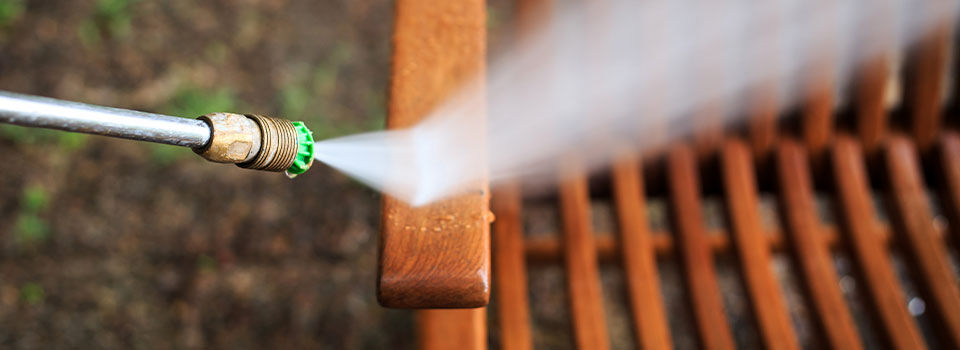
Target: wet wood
580,258
950,185
694,249
638,256
452,329
810,251
763,121
436,255
861,230
753,249
510,269
915,225
925,73
870,92
545,249
872,77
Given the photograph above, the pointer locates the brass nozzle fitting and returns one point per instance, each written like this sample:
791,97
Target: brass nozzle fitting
251,141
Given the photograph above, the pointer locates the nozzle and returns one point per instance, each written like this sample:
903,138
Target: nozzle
258,142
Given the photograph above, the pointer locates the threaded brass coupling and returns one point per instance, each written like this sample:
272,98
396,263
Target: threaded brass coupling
258,142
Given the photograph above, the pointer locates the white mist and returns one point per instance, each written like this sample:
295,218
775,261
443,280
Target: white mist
627,73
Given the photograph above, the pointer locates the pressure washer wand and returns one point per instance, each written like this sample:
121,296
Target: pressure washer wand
250,141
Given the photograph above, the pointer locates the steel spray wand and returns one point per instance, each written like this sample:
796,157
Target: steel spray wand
249,141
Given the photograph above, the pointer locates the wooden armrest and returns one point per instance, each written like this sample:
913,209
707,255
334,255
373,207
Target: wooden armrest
435,256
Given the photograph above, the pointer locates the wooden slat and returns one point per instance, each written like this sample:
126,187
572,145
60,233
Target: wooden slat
694,248
914,220
753,249
816,124
547,249
580,256
950,190
452,329
763,120
870,101
889,303
638,256
870,88
436,255
764,101
926,80
810,250
510,269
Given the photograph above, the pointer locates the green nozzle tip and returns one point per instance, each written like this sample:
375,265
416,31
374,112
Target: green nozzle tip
304,156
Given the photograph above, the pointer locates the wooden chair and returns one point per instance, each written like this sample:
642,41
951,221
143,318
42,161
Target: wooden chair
849,156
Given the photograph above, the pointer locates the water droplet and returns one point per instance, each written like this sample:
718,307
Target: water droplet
917,306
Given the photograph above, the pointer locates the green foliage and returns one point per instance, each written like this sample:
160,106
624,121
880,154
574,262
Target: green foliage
67,141
35,199
110,19
164,155
191,101
30,229
10,10
32,293
71,141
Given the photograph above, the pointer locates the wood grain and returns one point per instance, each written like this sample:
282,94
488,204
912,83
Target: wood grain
638,256
914,223
452,329
889,303
926,80
950,185
810,251
546,250
753,247
510,269
438,255
580,257
694,249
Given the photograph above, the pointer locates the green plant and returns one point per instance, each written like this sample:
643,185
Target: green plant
32,293
111,18
29,227
191,101
68,141
10,10
35,199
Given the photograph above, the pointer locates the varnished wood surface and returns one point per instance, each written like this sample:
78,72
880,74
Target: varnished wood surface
750,242
580,258
638,256
915,225
865,241
438,255
926,79
510,269
694,250
812,254
452,329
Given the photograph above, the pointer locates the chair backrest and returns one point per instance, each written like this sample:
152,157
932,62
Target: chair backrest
851,161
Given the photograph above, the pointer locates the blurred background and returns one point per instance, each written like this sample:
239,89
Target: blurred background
109,243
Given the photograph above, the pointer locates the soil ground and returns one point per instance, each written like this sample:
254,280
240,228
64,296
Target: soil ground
115,244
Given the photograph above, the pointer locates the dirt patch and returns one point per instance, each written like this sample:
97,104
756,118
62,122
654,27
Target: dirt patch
115,244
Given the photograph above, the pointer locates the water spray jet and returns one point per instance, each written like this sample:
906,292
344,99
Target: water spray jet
247,140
